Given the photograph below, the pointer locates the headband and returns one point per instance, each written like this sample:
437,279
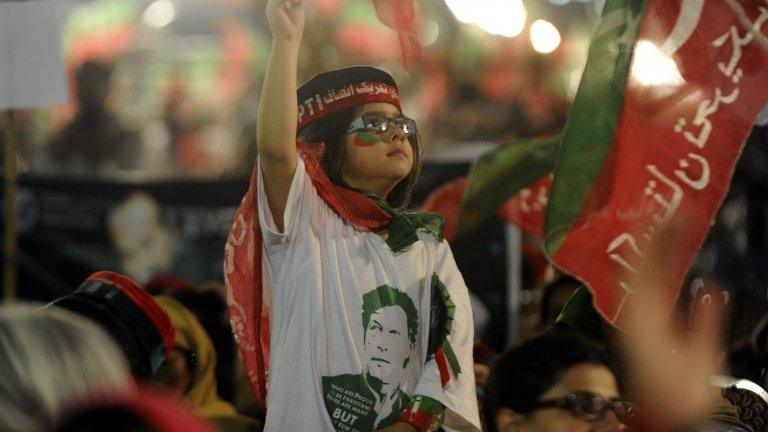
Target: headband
329,92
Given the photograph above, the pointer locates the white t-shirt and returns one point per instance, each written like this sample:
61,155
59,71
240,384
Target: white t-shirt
350,322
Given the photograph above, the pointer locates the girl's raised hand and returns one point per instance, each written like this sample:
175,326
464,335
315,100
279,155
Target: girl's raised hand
286,19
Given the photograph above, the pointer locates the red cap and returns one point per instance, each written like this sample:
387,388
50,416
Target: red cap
143,300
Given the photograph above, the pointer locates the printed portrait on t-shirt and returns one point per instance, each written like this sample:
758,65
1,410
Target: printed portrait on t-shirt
372,398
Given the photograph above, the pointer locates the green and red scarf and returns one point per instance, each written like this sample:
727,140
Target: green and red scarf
247,293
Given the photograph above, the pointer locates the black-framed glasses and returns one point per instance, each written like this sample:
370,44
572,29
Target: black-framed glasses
589,406
379,124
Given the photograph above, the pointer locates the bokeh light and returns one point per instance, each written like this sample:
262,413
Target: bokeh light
500,17
544,36
652,68
159,14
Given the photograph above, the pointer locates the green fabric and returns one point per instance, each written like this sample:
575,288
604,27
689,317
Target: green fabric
450,306
426,404
580,316
593,120
450,355
498,175
450,312
405,224
430,406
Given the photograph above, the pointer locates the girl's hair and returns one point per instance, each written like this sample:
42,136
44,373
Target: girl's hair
332,131
51,358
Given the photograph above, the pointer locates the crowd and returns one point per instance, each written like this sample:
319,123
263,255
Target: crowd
350,313
110,356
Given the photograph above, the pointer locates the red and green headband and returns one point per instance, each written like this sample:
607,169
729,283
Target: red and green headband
333,91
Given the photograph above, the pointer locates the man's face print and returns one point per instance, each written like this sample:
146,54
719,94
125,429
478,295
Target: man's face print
386,342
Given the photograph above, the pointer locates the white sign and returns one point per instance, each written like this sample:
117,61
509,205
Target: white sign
32,70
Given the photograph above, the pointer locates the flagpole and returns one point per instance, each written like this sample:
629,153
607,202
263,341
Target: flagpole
9,255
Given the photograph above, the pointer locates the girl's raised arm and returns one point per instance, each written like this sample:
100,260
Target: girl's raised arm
277,118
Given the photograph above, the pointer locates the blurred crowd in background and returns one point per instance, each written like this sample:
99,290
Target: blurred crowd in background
168,91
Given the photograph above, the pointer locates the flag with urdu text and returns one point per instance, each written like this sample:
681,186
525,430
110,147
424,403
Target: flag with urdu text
668,96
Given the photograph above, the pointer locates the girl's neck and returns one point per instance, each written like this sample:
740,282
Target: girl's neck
381,187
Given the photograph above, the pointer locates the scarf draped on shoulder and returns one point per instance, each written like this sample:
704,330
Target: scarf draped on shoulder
247,290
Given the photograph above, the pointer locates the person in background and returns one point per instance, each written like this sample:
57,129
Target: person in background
190,369
145,411
557,381
51,358
208,303
130,315
94,143
743,406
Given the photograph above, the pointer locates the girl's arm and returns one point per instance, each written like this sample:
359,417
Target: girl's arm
277,118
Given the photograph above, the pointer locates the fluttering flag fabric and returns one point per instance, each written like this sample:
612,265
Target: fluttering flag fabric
446,201
668,96
499,175
528,208
525,210
401,16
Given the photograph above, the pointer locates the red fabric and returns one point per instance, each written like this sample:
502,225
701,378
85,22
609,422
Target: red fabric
422,421
247,295
528,207
321,105
401,16
674,150
165,283
136,293
446,201
442,367
162,412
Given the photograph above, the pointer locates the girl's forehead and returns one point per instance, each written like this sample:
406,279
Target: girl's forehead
384,108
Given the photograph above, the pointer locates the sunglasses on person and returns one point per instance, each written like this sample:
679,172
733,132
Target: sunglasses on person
589,406
379,124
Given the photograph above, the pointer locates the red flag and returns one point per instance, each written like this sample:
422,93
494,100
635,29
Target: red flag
401,16
654,143
446,201
528,208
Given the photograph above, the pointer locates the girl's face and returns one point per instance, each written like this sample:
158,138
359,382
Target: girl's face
378,161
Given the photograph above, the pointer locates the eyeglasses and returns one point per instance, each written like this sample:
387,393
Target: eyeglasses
190,358
380,124
589,406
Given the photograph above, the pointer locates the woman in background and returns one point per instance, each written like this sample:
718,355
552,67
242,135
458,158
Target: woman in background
51,358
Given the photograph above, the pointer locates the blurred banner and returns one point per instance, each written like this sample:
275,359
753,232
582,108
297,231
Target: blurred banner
507,182
669,94
31,61
69,228
525,209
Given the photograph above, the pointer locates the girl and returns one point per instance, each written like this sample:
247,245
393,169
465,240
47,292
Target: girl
369,322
